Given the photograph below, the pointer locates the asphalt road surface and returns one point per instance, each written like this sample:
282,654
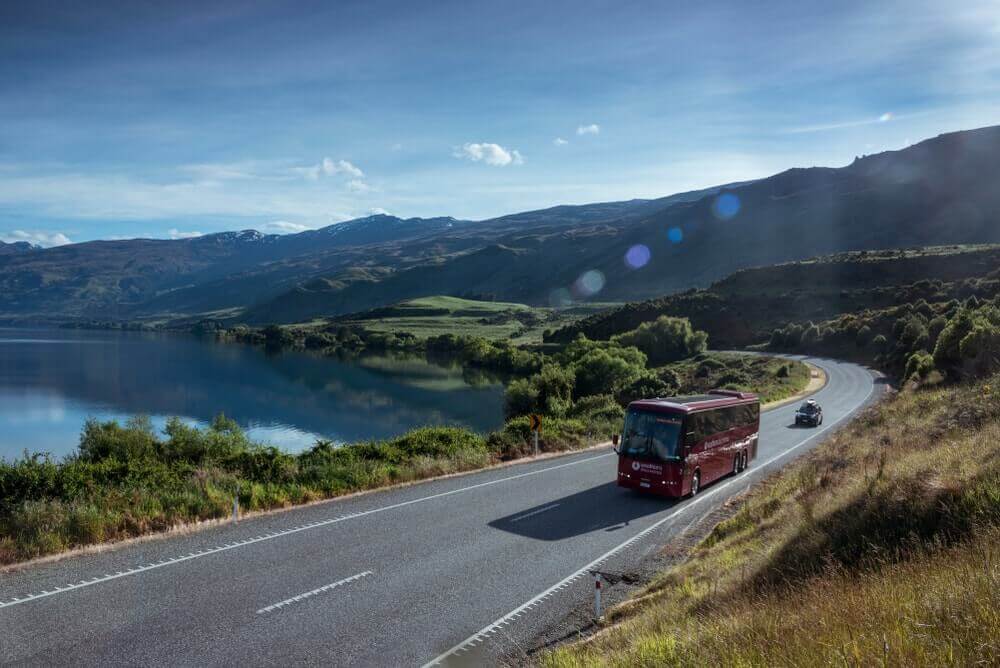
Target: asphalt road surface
455,571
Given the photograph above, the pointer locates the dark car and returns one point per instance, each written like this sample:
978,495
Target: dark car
809,414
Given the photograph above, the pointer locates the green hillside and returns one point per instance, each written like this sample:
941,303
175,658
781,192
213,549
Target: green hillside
427,317
744,308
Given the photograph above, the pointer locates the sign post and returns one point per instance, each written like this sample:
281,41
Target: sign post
536,426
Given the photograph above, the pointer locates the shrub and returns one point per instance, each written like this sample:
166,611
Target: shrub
863,337
666,339
810,336
106,440
601,371
919,365
646,386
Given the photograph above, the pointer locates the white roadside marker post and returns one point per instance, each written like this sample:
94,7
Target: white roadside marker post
597,595
536,426
236,504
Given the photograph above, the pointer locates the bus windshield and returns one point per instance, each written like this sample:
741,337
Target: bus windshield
651,435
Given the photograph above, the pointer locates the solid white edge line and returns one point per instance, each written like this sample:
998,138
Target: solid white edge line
490,628
318,590
321,523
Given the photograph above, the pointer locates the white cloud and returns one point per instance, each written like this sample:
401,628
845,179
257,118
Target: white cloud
491,154
39,237
358,186
284,227
884,118
559,141
329,167
378,211
174,233
592,129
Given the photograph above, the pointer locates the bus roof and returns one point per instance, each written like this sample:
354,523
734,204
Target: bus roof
696,402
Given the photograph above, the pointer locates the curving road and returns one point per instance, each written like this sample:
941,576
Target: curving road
454,571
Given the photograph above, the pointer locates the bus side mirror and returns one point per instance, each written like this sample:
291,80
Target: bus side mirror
614,442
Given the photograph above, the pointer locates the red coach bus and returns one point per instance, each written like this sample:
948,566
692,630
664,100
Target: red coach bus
675,446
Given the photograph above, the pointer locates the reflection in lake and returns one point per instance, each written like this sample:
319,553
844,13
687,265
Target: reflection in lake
51,381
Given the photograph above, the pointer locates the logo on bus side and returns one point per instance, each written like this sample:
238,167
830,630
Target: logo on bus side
647,468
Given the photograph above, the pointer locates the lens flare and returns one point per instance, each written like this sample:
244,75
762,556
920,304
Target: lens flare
637,256
726,206
589,284
676,235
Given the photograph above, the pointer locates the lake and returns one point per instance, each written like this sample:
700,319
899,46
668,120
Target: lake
51,381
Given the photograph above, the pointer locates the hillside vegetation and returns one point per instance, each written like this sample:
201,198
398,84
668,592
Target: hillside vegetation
934,192
879,548
746,307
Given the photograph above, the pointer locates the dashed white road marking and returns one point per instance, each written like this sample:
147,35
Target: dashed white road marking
481,635
279,534
319,590
534,512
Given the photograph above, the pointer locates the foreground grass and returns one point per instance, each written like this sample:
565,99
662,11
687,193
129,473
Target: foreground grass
880,548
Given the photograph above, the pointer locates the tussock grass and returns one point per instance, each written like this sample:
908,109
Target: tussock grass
880,548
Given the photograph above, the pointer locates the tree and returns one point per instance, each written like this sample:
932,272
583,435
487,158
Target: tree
601,372
276,336
666,339
810,336
863,337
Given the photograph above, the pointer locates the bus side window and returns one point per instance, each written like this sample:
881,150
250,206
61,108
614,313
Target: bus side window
695,429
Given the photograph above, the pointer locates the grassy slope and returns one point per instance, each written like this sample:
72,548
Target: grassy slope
432,316
880,548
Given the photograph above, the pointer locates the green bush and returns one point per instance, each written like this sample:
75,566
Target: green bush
646,386
665,339
602,371
919,365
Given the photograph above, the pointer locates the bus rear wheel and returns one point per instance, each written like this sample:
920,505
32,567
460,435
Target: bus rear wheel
746,461
695,483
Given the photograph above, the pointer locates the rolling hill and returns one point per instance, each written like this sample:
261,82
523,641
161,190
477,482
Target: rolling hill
937,192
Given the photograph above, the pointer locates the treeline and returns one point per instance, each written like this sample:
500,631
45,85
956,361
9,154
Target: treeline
475,352
746,307
921,341
662,358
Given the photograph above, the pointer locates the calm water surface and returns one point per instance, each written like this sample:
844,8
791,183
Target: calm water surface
51,381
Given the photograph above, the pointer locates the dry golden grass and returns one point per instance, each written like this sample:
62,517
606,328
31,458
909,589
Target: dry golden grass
880,548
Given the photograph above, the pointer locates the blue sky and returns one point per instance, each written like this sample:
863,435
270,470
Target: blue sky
129,119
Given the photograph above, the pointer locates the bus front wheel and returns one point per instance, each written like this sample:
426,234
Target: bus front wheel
695,483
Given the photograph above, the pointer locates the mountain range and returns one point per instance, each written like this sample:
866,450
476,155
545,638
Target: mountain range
939,191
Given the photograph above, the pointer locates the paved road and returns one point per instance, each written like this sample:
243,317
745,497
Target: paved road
454,571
